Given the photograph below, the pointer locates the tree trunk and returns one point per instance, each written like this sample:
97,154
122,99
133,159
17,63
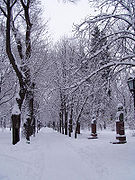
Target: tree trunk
29,123
76,132
78,127
60,118
16,119
71,122
66,123
70,127
69,131
28,129
62,123
15,128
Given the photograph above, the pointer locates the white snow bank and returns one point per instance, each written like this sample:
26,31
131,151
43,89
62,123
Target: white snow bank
53,156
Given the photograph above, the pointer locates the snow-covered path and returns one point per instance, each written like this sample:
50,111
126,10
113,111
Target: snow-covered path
52,156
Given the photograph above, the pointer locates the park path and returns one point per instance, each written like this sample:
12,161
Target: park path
53,156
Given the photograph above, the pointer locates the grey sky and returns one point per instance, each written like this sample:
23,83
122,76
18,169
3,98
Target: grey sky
63,15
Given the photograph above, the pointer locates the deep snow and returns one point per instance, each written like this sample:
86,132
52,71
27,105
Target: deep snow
53,156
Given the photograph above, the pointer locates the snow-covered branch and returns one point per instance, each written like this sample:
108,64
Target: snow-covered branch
111,64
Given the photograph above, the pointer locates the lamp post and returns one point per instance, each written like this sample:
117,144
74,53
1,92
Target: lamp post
131,85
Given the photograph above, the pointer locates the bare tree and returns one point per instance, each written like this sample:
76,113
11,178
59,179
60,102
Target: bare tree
18,23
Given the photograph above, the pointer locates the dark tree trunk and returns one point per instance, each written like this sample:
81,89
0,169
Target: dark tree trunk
34,126
78,119
29,119
28,129
78,127
70,127
62,122
16,119
24,82
66,123
60,118
104,125
71,122
69,132
54,126
76,132
15,128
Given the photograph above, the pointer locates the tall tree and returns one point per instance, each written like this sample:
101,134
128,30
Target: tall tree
18,30
116,22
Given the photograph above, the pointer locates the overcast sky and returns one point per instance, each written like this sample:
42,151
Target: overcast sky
63,15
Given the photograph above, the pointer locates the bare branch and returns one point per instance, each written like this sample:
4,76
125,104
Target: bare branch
18,41
28,28
106,16
23,4
3,11
111,64
80,113
8,46
13,4
18,14
3,102
5,2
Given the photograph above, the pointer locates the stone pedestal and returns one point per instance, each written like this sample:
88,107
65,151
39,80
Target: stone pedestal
93,130
120,130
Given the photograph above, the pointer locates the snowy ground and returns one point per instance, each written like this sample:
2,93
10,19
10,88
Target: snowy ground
52,156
